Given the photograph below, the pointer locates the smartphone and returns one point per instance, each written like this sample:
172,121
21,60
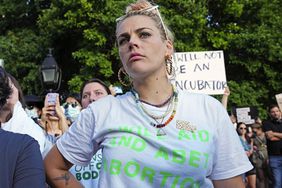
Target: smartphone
51,100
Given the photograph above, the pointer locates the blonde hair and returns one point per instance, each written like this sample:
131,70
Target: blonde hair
143,7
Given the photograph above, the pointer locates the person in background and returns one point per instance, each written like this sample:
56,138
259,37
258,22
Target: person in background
247,144
260,156
233,119
54,123
224,99
92,90
273,132
224,102
71,108
20,122
20,159
20,92
146,135
258,121
33,107
115,90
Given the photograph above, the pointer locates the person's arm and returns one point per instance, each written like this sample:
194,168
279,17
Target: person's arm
235,182
54,120
277,135
273,136
56,168
63,124
29,170
225,96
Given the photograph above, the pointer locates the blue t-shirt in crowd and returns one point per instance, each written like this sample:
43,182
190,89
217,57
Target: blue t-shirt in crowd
21,163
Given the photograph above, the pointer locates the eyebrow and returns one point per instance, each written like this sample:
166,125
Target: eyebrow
137,30
98,90
87,92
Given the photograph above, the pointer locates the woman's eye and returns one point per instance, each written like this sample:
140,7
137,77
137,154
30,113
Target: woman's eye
144,35
99,93
85,96
122,41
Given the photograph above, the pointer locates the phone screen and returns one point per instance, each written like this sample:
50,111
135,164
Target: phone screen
51,100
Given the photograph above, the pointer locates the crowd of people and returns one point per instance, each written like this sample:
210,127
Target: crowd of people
261,141
152,136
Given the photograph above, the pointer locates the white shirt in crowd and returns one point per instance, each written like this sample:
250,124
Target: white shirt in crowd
21,123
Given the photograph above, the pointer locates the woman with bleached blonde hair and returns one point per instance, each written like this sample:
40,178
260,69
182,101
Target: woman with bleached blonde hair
154,135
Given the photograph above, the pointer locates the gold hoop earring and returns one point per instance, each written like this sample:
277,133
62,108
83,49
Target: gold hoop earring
126,77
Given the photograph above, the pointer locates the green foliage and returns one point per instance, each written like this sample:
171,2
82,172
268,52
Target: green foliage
20,50
248,32
17,14
187,20
82,34
250,97
89,28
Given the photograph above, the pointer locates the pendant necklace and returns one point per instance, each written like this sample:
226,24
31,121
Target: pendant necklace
160,131
172,106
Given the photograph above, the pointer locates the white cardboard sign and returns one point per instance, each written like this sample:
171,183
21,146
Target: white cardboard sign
279,100
243,115
200,72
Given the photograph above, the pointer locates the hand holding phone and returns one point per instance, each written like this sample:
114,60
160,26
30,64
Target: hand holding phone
51,99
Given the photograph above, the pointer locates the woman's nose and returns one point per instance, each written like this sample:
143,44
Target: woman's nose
92,100
93,97
133,42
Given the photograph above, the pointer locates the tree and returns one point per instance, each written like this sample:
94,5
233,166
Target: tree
248,32
82,34
20,44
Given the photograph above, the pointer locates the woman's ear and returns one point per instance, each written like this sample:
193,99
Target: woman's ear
169,46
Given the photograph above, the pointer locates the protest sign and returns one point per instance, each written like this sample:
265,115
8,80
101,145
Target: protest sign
200,72
246,115
279,100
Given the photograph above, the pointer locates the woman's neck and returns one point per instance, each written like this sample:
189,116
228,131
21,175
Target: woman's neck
155,90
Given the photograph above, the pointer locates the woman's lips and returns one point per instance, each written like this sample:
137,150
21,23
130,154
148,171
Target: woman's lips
135,57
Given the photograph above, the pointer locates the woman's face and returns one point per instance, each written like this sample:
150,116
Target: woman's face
92,92
242,129
72,100
257,130
141,48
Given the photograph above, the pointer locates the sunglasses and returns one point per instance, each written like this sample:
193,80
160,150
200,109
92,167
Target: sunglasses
241,128
30,107
153,8
66,105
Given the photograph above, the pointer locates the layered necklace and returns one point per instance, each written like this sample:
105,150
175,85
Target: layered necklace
171,108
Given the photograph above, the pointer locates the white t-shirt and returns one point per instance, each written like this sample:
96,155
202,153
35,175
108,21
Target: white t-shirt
88,175
21,123
133,156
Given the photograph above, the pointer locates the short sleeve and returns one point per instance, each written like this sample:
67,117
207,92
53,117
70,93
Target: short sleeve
77,144
230,159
